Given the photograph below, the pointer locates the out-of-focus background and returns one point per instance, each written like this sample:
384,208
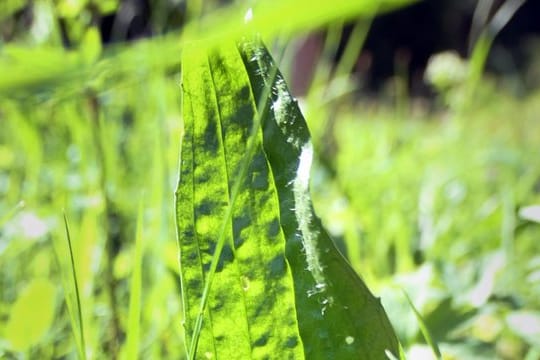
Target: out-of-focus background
426,124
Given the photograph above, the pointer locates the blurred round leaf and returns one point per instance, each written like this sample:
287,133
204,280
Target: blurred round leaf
446,69
31,315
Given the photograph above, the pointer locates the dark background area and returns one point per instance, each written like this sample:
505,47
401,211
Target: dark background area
428,27
408,36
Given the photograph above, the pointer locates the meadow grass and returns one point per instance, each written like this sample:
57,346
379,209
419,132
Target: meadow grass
419,200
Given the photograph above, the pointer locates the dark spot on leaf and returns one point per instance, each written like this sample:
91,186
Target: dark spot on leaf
260,181
259,162
187,235
200,176
193,284
239,224
244,118
217,63
225,258
273,228
292,342
192,256
262,340
277,266
259,169
206,207
245,93
206,267
211,143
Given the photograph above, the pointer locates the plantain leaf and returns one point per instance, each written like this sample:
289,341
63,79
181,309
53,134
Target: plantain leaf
261,278
251,311
339,318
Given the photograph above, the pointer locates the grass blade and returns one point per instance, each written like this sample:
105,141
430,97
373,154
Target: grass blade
424,329
250,303
246,228
76,320
134,312
337,314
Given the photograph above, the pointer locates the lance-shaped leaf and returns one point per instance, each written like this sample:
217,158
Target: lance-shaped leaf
251,308
339,318
260,276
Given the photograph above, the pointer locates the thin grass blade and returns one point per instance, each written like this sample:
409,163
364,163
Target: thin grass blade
134,312
424,329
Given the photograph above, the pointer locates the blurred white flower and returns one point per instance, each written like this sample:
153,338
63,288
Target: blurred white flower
27,225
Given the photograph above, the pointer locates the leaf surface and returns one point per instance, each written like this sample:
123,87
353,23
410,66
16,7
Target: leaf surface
251,311
255,259
339,318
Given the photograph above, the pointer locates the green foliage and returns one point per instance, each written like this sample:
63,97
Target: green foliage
424,330
445,196
438,204
231,245
242,200
25,329
73,295
134,315
338,316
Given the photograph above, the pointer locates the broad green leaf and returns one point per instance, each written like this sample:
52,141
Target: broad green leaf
31,315
243,198
424,329
251,309
339,318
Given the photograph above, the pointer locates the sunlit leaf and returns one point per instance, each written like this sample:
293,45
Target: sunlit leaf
251,301
31,315
251,247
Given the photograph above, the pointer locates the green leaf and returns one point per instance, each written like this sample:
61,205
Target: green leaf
72,294
131,347
339,317
424,329
251,311
255,259
26,328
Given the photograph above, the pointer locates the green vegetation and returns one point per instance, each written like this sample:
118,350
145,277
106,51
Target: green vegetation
426,202
251,247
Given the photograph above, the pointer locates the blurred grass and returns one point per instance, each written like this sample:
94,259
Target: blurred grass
425,201
430,204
